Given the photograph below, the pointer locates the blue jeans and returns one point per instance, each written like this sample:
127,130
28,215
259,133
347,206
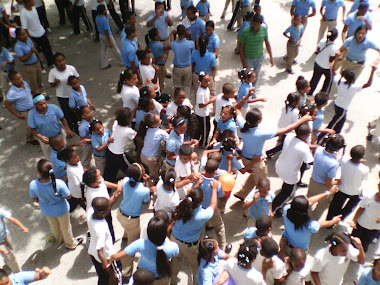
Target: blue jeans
256,64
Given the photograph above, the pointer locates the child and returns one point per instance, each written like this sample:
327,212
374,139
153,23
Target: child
320,99
101,246
366,220
142,277
263,229
74,177
208,259
191,120
201,108
167,195
184,5
268,263
299,271
354,176
106,39
145,107
135,195
289,115
79,11
203,8
6,247
259,201
330,263
247,23
101,138
215,155
129,47
227,122
7,63
149,92
228,92
148,71
78,97
127,88
371,275
295,32
85,135
24,277
179,99
303,88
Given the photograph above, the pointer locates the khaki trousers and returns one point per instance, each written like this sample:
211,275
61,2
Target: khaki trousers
28,132
358,68
185,252
251,222
10,258
34,76
100,163
259,170
132,233
182,78
46,149
325,26
153,164
304,23
104,51
241,15
217,223
4,83
161,76
316,188
205,17
228,3
291,54
213,82
61,229
86,155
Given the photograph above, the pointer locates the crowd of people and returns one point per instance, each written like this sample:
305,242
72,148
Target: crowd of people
156,141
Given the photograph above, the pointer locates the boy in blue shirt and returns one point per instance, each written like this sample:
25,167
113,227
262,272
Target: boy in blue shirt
203,8
24,277
197,26
295,32
262,229
106,39
7,63
245,7
302,7
329,16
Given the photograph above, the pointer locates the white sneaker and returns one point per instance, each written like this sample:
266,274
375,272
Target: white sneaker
43,71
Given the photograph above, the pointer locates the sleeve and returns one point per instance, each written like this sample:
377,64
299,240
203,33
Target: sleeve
75,72
203,28
207,214
100,239
31,122
200,97
313,5
287,30
294,3
131,55
134,247
51,77
270,134
26,277
363,277
207,278
318,264
221,254
333,170
347,42
336,79
353,253
95,143
308,157
24,21
250,196
198,5
8,55
240,121
334,50
213,60
150,17
62,188
266,33
5,214
217,42
250,233
348,20
280,270
57,111
71,100
32,190
323,3
147,195
220,191
314,227
203,163
192,45
10,97
372,45
19,50
364,203
170,145
193,56
341,4
236,164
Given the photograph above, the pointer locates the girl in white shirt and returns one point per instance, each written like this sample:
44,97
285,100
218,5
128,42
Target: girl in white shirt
127,88
330,263
167,196
179,99
148,71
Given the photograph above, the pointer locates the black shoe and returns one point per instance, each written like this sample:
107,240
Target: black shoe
370,137
168,75
294,61
228,248
79,242
269,155
108,66
33,142
290,71
302,185
209,228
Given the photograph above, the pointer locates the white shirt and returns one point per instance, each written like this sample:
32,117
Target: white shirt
121,135
220,102
344,94
96,3
299,277
182,170
203,96
31,22
288,116
74,179
157,107
277,272
353,177
130,96
166,201
371,213
91,193
242,276
171,109
323,57
152,141
63,90
331,269
147,71
294,153
100,237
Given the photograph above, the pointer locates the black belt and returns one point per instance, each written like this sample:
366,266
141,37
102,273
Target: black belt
247,157
102,156
330,20
129,217
181,67
31,63
358,62
164,40
187,243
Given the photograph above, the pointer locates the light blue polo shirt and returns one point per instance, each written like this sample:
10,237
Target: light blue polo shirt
213,42
203,63
366,277
353,22
245,25
303,7
3,228
197,28
325,165
103,25
301,237
23,278
59,166
157,49
51,205
134,198
84,129
208,271
148,252
254,139
7,56
152,142
22,98
78,99
358,52
182,52
184,5
229,125
246,3
140,115
48,125
332,8
203,8
192,229
173,144
98,140
356,4
207,190
128,52
317,124
262,206
224,162
243,91
22,49
251,233
161,24
294,32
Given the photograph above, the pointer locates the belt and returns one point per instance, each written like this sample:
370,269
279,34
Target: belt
164,40
358,62
181,67
287,242
331,20
31,63
187,243
129,217
101,156
247,157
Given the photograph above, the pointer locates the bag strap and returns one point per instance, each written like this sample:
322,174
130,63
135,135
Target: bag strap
325,47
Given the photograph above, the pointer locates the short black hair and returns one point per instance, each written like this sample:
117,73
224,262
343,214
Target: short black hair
12,74
100,9
357,152
257,19
185,149
211,165
321,98
263,224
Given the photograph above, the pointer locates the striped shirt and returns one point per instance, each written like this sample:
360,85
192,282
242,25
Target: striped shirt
254,41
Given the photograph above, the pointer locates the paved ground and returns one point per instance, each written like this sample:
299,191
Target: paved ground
18,160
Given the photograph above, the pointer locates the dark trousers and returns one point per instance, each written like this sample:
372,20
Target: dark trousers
215,123
336,206
287,190
278,147
115,16
114,163
43,45
317,74
108,219
94,13
168,4
103,275
336,123
5,35
63,7
74,202
43,16
204,127
365,235
69,115
80,12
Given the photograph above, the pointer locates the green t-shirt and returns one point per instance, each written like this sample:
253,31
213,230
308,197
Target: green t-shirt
254,47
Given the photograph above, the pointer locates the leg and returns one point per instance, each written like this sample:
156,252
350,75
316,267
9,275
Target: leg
161,76
353,201
256,64
40,83
108,219
116,52
217,222
123,5
112,166
28,132
46,49
86,155
66,231
290,55
285,194
94,13
317,73
259,170
366,236
64,103
31,76
69,12
103,276
322,30
277,148
103,51
201,128
61,11
76,15
187,79
56,231
338,120
46,149
10,259
194,88
328,73
336,205
86,20
115,16
241,16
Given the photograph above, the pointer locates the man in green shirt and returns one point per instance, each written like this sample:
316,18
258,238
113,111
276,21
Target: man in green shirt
251,45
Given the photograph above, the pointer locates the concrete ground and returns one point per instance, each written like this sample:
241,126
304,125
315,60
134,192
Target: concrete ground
18,160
